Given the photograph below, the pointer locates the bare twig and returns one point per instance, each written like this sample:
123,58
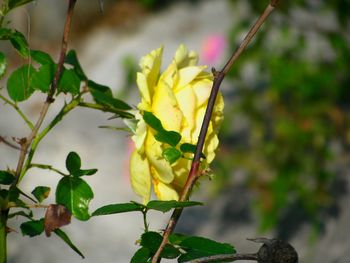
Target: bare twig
193,174
225,257
10,144
49,99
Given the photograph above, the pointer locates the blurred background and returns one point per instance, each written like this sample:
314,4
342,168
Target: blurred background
282,169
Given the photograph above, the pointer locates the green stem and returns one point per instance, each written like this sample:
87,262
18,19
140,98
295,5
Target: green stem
3,235
46,166
145,220
106,109
15,106
66,109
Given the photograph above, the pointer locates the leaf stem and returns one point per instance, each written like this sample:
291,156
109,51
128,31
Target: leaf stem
193,174
15,106
49,99
46,166
105,108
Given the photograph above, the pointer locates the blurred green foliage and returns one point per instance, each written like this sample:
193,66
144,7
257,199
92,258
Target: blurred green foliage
287,122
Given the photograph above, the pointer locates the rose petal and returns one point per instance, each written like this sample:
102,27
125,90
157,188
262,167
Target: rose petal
164,191
140,176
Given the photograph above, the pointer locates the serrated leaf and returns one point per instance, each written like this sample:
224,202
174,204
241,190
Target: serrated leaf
72,59
171,154
41,193
73,162
106,99
6,177
75,194
18,84
117,208
16,3
42,78
142,255
165,206
61,234
3,64
32,228
69,82
41,57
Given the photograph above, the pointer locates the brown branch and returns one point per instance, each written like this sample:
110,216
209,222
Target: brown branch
193,174
10,144
49,99
225,257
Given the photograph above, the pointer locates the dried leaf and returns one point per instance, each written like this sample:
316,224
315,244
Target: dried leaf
55,217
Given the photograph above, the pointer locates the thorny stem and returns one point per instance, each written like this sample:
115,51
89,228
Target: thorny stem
49,99
218,78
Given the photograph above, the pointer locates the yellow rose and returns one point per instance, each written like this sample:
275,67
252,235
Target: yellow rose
178,98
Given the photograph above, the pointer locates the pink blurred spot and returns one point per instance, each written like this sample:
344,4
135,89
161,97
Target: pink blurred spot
213,47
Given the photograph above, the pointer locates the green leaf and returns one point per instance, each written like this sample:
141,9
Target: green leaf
152,241
6,178
153,121
5,33
41,57
73,162
69,82
72,59
176,238
118,208
42,78
19,42
16,3
190,148
98,87
32,228
18,84
165,206
199,247
109,100
170,137
82,172
3,64
41,193
61,234
142,255
75,194
171,154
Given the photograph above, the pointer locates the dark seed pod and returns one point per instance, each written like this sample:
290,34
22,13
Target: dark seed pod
275,251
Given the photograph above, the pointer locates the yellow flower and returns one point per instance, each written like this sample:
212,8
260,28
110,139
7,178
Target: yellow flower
178,98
